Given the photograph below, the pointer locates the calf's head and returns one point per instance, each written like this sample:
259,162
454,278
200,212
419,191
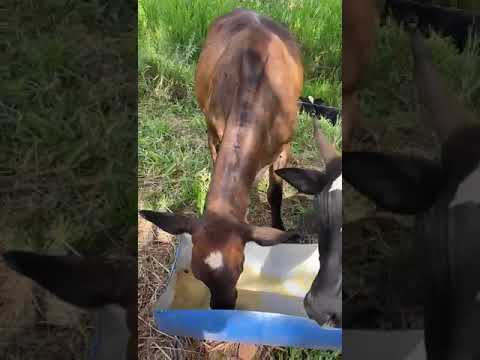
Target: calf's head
93,283
218,249
323,302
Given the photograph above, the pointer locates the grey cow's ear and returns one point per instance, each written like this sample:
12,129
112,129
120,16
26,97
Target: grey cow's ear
268,236
305,181
90,282
398,183
171,223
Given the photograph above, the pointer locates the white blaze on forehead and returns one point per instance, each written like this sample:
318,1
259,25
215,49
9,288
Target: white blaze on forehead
214,260
468,190
337,184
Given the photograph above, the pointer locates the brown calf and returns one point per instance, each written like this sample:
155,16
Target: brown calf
359,24
248,79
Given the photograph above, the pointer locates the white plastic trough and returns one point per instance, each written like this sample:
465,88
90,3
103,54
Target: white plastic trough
269,307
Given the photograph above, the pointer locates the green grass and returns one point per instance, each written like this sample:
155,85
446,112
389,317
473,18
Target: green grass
461,4
174,161
389,89
68,126
173,156
68,147
303,354
168,52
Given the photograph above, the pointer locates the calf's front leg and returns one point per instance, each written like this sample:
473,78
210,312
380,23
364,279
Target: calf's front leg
213,144
275,188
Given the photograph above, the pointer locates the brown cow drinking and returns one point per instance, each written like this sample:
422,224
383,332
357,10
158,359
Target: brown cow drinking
248,79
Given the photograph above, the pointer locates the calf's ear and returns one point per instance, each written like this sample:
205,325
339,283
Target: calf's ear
305,181
171,223
398,183
268,236
83,282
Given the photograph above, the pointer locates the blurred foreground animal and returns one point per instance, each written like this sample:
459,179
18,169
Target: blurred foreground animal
444,196
101,284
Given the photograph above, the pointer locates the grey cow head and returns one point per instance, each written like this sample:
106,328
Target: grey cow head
323,302
444,196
